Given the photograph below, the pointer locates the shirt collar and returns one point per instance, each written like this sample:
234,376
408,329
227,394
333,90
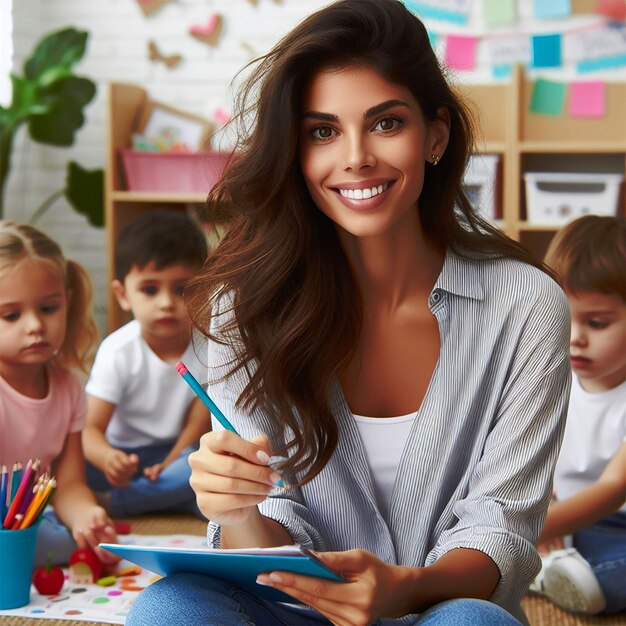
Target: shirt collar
462,275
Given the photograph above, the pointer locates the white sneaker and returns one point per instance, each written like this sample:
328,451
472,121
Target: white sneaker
569,582
537,586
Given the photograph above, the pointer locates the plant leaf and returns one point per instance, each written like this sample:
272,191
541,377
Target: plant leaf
65,100
25,101
62,48
84,190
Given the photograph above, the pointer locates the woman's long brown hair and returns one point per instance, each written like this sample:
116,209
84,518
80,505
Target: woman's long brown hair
297,306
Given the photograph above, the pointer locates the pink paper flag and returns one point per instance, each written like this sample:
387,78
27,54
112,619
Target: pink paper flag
460,52
587,99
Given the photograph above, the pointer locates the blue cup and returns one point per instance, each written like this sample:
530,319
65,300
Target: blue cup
17,554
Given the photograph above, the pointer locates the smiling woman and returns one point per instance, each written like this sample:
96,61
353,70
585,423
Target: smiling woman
408,360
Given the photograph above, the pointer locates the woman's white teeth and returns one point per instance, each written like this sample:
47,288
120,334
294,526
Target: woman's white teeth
363,194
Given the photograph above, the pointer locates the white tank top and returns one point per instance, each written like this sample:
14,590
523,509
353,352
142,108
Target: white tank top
384,439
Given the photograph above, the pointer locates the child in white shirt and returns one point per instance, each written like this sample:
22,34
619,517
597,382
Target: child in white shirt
590,479
142,420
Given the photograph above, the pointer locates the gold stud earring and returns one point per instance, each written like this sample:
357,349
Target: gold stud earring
435,158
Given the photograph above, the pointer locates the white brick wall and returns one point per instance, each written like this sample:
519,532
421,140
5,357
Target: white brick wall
117,51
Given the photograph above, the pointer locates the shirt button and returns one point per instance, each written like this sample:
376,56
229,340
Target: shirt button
435,297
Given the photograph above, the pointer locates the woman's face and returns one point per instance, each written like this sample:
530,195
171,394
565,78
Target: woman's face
363,147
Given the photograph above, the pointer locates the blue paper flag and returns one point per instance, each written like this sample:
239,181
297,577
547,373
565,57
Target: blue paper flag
546,50
435,13
552,8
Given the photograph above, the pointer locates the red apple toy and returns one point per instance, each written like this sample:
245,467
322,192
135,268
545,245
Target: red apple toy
85,566
48,579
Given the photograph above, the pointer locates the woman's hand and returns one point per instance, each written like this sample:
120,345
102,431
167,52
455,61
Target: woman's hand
230,476
371,590
93,526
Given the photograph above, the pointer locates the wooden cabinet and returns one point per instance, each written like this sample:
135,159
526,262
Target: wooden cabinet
524,141
126,104
528,142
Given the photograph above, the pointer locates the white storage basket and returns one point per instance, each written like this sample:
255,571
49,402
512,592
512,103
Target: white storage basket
560,197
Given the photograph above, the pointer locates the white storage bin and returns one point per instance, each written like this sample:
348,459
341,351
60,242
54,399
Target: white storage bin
480,183
560,197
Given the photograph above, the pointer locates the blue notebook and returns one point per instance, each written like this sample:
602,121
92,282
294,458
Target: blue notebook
240,567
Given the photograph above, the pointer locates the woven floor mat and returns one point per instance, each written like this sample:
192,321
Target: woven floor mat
541,612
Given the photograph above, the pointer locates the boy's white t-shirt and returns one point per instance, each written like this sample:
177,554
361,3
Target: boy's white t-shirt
595,430
151,397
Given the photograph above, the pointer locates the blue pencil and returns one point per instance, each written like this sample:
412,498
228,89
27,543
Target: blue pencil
16,477
181,368
4,480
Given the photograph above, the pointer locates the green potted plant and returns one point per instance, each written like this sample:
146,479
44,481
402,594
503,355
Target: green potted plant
50,98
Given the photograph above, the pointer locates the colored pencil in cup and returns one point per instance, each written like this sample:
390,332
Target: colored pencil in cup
48,492
33,507
4,482
19,494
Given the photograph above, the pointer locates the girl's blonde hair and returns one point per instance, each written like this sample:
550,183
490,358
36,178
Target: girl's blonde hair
21,241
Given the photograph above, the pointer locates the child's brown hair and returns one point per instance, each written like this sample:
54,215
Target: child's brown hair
589,254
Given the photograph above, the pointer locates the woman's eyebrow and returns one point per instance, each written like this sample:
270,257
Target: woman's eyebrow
383,106
371,112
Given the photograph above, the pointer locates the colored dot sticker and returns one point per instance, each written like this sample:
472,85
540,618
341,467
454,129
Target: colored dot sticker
100,600
37,611
115,592
73,612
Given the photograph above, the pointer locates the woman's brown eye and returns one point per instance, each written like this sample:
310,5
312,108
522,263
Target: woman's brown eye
324,132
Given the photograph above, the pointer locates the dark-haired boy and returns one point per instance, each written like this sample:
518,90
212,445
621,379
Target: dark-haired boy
142,420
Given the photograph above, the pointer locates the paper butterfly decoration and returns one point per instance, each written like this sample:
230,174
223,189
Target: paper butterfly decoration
151,6
155,55
210,31
252,53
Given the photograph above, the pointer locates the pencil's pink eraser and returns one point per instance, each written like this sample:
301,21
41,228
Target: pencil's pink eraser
181,368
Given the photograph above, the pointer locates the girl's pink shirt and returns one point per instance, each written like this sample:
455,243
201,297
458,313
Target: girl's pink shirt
36,428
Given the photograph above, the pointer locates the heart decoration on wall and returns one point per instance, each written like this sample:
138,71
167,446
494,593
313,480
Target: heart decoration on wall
156,56
151,6
210,31
221,116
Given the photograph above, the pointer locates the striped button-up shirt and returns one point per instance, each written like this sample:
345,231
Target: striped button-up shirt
476,470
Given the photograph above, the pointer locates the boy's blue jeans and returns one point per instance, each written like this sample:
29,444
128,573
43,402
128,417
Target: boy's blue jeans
195,600
603,546
169,492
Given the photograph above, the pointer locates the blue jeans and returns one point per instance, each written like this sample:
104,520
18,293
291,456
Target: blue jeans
54,540
169,492
603,546
195,600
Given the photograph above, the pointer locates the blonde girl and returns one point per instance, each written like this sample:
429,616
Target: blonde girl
47,333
